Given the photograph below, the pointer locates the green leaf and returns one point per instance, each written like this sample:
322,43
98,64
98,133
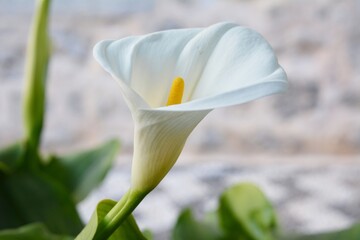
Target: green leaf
127,231
28,197
187,227
352,233
148,234
245,213
82,172
10,157
38,54
35,231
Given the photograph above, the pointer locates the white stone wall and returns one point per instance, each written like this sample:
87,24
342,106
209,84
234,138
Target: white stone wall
317,42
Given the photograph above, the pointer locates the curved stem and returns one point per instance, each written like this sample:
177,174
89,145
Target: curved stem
38,55
118,214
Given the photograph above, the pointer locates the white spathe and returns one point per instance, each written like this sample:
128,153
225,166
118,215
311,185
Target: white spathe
222,65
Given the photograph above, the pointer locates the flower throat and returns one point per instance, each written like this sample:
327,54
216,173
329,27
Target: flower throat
176,92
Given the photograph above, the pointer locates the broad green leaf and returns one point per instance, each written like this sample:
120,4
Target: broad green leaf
352,233
35,231
9,215
28,197
10,157
38,54
127,231
82,172
187,227
245,213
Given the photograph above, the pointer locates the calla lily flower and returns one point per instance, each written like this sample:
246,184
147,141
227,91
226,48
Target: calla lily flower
222,65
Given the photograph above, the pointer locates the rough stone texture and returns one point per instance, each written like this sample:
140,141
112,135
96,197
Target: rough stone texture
309,198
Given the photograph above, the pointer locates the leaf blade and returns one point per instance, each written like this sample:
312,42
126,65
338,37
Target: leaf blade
10,157
31,232
82,172
35,197
127,231
187,227
245,213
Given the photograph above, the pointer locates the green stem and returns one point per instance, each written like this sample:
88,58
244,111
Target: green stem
38,53
30,157
118,214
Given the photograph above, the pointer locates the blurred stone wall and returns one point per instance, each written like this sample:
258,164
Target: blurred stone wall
317,43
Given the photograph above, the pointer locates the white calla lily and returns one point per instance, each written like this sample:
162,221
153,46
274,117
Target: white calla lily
221,65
